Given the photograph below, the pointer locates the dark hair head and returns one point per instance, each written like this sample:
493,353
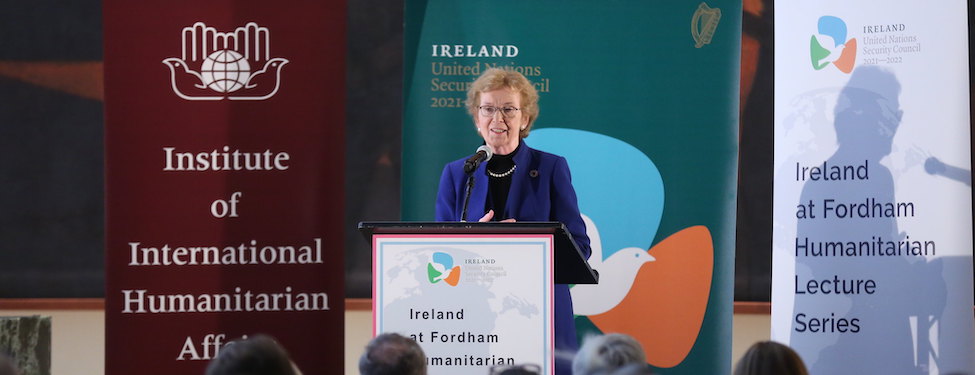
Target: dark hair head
256,355
522,369
392,354
768,358
634,369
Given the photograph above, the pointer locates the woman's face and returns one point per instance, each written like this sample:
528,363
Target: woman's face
499,131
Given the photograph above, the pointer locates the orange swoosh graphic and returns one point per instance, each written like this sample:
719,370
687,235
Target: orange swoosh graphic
665,308
847,57
454,276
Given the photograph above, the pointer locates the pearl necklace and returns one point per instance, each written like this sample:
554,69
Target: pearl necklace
502,175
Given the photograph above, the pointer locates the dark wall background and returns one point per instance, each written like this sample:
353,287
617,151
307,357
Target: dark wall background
375,111
51,202
753,245
51,165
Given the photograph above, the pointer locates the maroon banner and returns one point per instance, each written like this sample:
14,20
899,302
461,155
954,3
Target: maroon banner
224,144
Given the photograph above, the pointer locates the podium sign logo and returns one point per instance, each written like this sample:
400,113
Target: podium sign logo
441,267
235,65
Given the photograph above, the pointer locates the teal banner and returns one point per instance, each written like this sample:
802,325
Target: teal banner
641,98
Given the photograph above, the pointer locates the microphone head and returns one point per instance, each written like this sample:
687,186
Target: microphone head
487,152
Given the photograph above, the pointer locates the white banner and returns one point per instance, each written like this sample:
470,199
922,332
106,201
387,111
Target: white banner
471,302
872,226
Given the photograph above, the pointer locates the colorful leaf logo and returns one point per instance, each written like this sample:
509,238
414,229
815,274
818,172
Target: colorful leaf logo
830,45
441,267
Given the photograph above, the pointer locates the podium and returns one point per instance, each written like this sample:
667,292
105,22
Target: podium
475,296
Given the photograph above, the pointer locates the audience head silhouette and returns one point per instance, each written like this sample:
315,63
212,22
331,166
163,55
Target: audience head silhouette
256,355
633,369
522,369
768,358
607,354
392,354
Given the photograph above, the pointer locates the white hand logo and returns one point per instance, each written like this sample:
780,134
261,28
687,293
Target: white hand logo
224,63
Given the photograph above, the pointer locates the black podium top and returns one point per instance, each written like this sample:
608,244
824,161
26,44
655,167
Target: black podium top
570,266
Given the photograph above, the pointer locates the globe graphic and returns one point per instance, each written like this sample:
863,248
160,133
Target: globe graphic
225,71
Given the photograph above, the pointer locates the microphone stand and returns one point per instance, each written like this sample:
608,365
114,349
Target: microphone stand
467,196
483,154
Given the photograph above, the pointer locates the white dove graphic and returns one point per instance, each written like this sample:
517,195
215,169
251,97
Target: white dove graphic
444,272
272,66
616,275
827,42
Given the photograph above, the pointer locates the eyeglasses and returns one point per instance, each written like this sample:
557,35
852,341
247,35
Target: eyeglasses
489,111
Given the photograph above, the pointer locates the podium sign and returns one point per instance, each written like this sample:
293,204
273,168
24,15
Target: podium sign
471,301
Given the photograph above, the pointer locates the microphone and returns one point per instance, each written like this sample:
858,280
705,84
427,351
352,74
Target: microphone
483,154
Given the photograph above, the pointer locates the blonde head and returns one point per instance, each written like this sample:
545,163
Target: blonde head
497,78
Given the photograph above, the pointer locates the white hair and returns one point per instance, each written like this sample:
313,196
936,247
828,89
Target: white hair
607,353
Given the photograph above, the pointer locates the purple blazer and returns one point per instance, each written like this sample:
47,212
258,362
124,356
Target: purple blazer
541,190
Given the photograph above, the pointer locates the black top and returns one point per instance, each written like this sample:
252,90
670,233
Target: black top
498,187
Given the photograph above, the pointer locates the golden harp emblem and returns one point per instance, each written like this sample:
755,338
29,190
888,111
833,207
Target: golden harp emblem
703,24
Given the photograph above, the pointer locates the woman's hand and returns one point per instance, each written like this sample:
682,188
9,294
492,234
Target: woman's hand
490,215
